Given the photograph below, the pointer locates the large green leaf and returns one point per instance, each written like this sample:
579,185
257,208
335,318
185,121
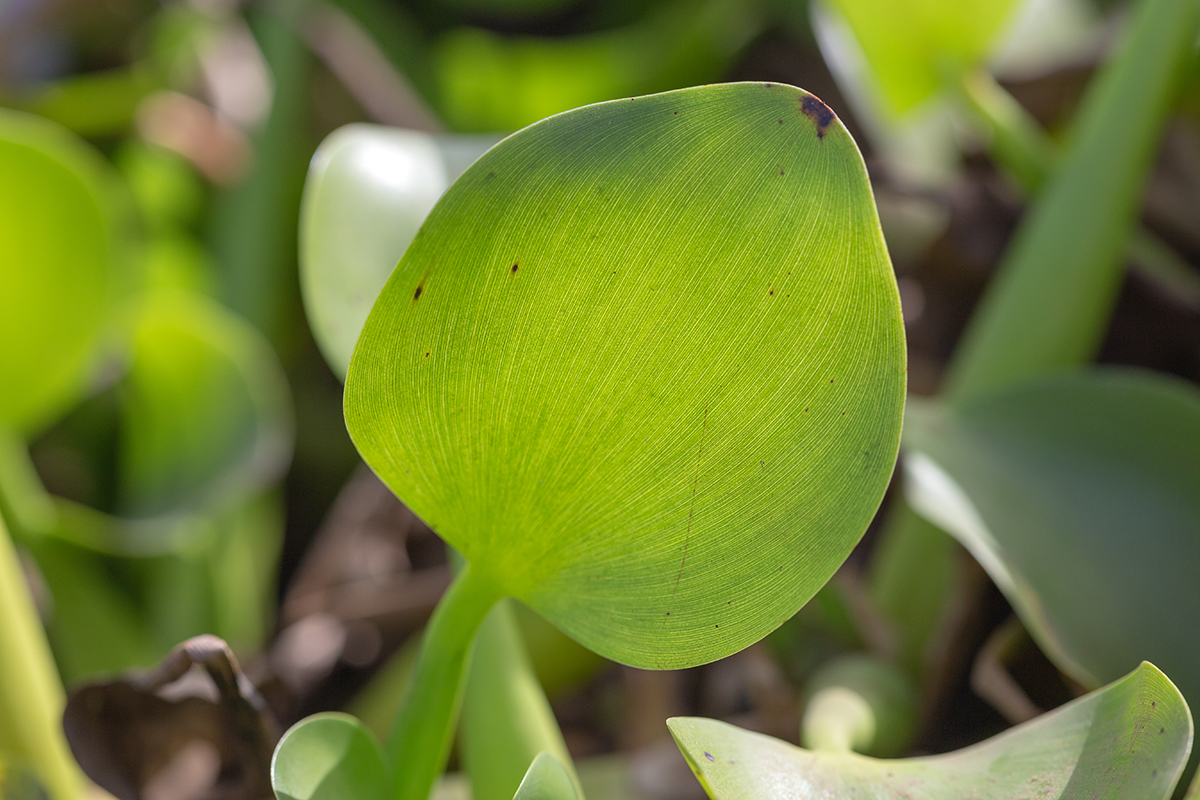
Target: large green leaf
369,188
58,267
205,407
1127,741
644,367
1080,494
328,756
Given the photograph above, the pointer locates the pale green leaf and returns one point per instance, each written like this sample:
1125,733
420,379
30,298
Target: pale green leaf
1080,494
1129,740
369,188
328,756
547,779
644,367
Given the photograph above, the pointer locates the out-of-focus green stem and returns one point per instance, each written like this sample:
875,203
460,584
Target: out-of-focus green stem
255,222
1050,302
31,695
1024,149
24,503
95,104
507,719
419,744
838,720
1017,141
912,573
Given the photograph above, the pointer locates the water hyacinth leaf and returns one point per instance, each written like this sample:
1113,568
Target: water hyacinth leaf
644,367
368,190
911,50
328,756
59,263
1080,494
1130,739
206,410
547,779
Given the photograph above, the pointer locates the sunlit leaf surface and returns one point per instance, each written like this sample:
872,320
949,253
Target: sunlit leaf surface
644,367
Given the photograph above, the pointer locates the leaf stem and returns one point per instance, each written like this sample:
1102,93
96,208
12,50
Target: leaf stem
419,743
31,694
507,719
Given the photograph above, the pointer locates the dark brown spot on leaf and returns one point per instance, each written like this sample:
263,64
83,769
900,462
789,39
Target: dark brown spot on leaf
821,115
514,266
417,293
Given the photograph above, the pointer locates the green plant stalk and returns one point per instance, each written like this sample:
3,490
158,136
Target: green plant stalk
1020,145
1017,141
1050,301
254,234
1074,239
420,740
31,695
507,719
911,576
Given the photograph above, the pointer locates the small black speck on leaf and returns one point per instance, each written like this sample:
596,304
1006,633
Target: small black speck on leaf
1162,730
831,380
1153,704
806,411
417,293
514,266
780,122
771,292
716,626
668,613
709,756
781,172
676,112
767,85
427,355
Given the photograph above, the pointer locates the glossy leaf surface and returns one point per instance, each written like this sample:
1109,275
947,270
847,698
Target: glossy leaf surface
644,367
1128,740
1080,495
547,779
57,267
369,188
329,756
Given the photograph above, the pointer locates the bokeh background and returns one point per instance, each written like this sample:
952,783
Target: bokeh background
280,541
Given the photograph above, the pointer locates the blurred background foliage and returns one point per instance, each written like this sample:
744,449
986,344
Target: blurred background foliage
200,478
